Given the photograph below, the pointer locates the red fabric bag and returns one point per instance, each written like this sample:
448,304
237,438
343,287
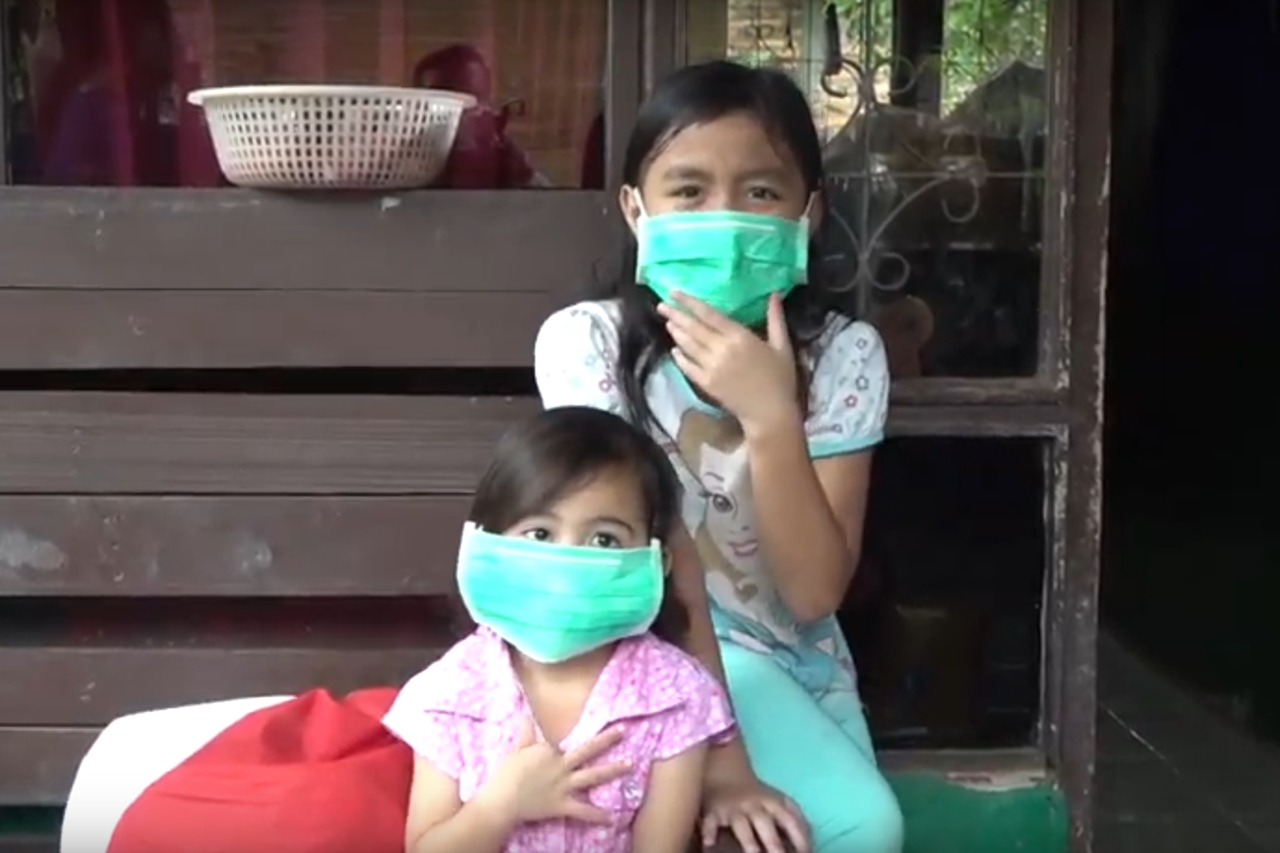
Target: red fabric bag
314,774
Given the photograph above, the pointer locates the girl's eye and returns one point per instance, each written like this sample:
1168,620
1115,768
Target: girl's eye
763,194
605,540
686,191
541,534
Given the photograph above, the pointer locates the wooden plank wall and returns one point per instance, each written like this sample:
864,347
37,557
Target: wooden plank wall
237,537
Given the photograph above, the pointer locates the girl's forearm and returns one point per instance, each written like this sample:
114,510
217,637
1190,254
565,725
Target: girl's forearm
804,546
476,828
691,589
728,760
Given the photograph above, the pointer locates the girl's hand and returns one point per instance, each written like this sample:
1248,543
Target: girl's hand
536,781
754,379
762,819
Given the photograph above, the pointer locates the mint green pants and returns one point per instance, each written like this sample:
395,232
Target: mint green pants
816,752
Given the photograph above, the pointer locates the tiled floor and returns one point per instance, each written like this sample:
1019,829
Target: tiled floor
1172,777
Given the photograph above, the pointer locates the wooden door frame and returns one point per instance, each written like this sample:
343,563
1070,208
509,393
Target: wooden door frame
1062,403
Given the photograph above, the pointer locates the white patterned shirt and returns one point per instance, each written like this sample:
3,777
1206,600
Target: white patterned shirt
575,358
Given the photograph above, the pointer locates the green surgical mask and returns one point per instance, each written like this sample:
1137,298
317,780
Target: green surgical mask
730,260
556,602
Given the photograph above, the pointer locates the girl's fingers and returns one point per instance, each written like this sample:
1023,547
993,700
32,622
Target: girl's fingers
677,319
767,831
578,810
593,748
776,325
694,348
745,832
711,824
589,777
703,313
688,367
788,817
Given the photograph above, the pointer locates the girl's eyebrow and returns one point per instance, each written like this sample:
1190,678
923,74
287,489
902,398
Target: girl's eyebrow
685,173
774,173
694,173
613,519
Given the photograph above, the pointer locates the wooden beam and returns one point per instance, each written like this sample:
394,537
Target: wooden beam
537,241
85,443
80,329
229,546
121,444
92,686
37,763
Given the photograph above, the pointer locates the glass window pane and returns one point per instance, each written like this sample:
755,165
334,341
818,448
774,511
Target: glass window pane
944,614
933,114
98,87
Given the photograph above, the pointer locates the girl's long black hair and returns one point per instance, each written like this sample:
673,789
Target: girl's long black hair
695,95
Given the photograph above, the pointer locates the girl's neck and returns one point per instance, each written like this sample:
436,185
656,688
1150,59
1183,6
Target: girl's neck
575,671
558,693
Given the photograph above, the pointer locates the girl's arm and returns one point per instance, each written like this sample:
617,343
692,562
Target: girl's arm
727,762
438,822
809,515
810,478
669,814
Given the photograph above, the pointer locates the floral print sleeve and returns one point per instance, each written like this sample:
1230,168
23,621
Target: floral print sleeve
574,358
703,716
431,734
850,392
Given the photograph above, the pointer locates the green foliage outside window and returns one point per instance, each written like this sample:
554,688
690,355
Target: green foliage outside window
980,37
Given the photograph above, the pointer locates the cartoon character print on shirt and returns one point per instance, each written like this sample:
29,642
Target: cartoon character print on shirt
712,450
707,446
825,667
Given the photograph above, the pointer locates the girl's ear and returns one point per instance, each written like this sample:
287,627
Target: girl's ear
629,204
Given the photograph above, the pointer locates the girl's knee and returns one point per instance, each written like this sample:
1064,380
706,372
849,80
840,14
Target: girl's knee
868,821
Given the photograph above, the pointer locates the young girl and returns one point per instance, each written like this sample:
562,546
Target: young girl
563,722
768,397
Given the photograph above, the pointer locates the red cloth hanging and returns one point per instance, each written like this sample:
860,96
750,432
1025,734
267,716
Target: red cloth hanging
112,111
484,156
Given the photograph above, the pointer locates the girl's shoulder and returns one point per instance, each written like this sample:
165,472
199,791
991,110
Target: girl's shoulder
841,331
689,702
582,321
665,666
845,346
589,326
467,677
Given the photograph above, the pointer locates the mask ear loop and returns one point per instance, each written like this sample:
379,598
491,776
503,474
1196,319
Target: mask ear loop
663,555
469,531
808,208
635,196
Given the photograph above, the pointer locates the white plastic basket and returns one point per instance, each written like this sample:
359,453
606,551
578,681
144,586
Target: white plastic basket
331,137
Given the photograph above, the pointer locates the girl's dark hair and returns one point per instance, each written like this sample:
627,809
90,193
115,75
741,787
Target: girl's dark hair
693,95
547,457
